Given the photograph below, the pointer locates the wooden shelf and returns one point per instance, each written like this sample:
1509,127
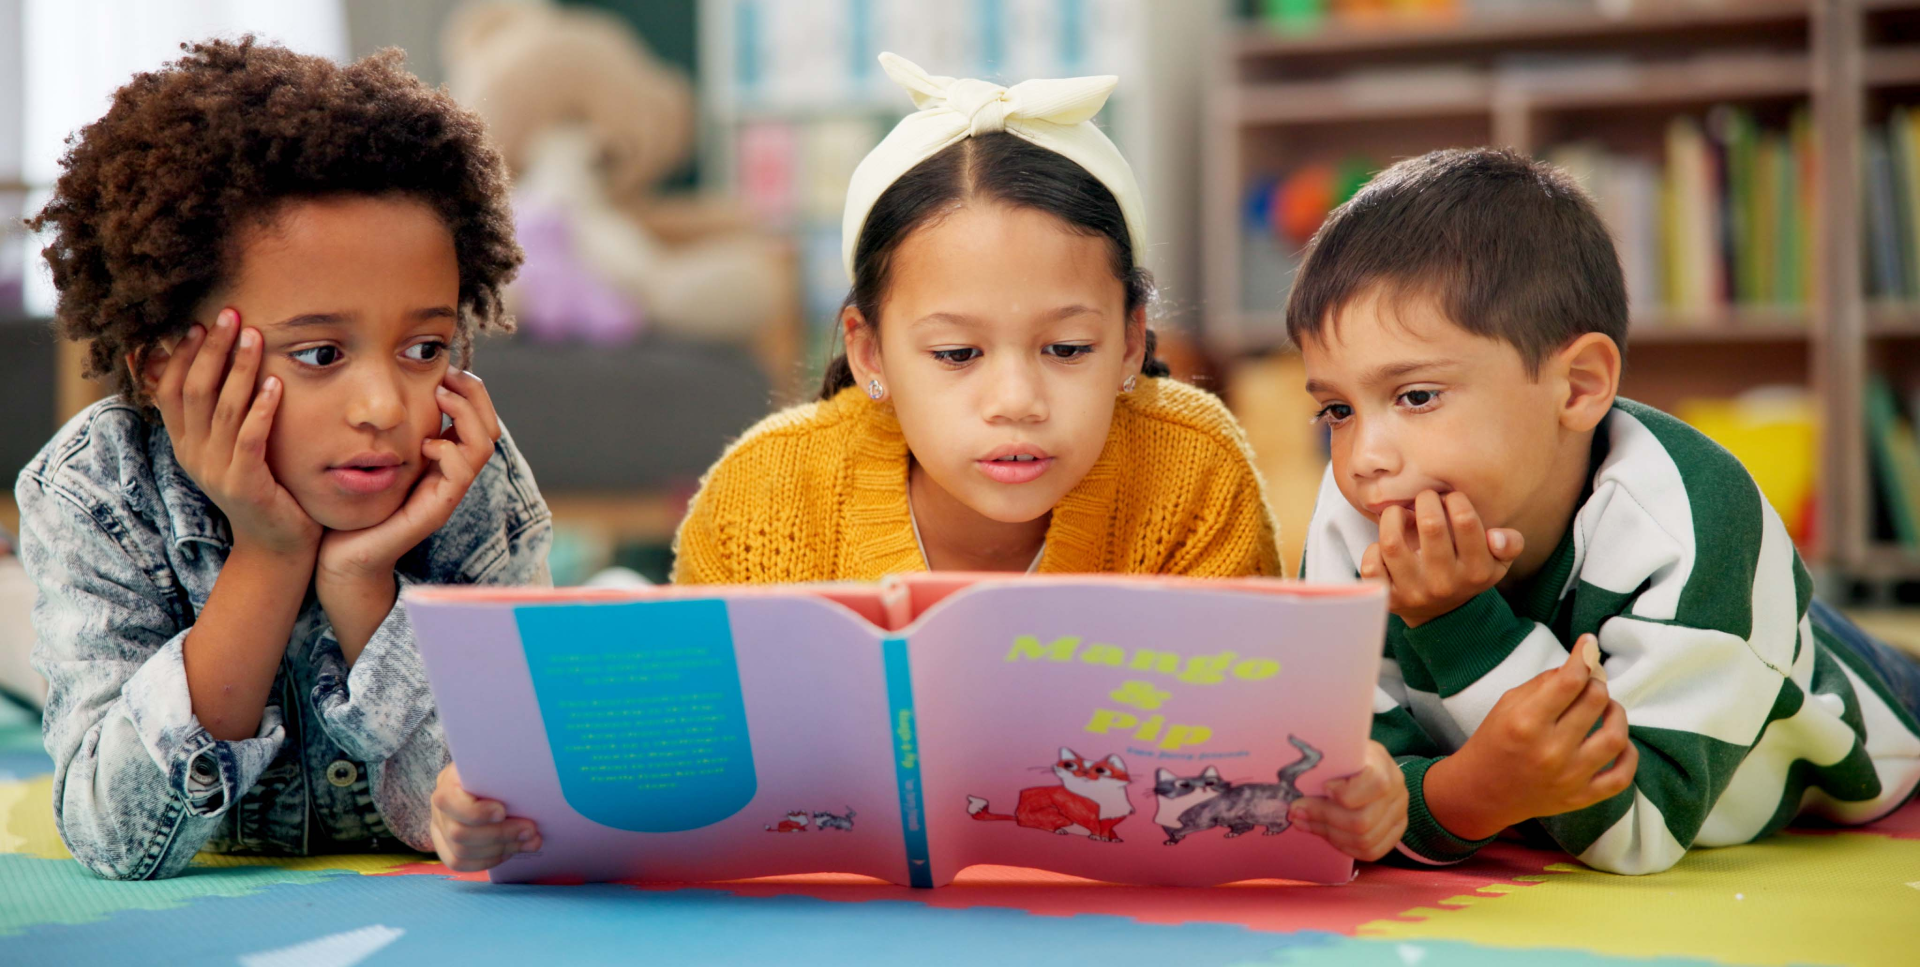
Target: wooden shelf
1515,28
1695,81
1356,100
1716,331
1404,95
1893,320
622,516
1888,562
1265,332
1891,67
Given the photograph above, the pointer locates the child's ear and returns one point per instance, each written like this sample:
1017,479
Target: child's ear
1590,366
147,365
863,346
1136,340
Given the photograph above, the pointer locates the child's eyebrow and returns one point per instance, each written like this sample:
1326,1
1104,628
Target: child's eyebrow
1390,371
314,319
946,317
1051,315
342,318
1384,373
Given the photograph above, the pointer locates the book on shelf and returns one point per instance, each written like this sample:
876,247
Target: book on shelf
1896,459
1719,220
1891,207
793,55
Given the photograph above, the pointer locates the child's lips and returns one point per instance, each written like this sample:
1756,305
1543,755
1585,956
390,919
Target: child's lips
1014,471
367,472
364,481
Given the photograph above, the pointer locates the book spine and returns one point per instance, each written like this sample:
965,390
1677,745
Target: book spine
1882,236
1901,491
905,729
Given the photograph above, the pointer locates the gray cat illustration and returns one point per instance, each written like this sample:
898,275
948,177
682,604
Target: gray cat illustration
1206,800
830,821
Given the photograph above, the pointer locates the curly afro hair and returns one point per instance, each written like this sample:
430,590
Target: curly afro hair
152,194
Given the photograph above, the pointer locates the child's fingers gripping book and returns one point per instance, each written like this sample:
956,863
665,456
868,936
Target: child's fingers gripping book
1139,730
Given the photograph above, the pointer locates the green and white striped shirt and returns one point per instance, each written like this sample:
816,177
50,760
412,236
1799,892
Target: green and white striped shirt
1744,714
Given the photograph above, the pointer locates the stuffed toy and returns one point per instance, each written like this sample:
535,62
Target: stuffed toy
590,122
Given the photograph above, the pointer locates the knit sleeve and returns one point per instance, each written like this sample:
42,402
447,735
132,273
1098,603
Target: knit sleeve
1208,489
1232,533
700,554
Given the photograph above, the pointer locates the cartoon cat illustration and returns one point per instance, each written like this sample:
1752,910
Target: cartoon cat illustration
796,822
1240,808
1091,799
830,821
1177,794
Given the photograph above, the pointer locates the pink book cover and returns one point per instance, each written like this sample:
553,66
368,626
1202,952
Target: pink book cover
1137,730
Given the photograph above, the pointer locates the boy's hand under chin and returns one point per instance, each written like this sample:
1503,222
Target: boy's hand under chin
1438,557
354,579
219,425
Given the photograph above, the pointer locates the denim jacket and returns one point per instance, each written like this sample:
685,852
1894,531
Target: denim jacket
123,550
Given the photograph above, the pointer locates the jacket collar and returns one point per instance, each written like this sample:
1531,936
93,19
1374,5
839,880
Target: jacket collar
190,515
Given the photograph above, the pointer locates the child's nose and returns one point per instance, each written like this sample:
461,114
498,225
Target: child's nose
1016,394
376,403
1374,453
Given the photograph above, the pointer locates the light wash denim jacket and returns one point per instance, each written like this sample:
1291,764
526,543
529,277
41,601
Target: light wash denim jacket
124,549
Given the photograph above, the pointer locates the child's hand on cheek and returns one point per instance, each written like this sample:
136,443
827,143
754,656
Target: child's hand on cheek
1362,815
475,834
354,580
218,425
1438,557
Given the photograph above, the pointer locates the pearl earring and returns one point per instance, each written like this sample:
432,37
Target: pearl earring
1132,381
875,390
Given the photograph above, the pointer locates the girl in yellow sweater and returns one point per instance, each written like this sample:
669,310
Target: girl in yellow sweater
999,406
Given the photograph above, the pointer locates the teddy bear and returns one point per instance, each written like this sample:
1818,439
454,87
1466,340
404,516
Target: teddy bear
589,121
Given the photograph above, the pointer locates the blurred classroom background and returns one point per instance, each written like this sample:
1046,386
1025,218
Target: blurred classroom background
680,167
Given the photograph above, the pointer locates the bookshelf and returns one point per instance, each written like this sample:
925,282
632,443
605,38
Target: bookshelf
1807,81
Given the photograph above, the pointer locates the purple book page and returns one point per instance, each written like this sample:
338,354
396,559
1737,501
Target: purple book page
1048,714
815,791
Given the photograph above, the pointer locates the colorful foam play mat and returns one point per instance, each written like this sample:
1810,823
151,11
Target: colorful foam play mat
1803,897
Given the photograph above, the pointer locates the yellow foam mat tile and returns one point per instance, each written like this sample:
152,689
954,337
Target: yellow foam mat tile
1841,898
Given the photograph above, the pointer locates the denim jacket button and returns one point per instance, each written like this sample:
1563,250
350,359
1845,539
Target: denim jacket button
342,773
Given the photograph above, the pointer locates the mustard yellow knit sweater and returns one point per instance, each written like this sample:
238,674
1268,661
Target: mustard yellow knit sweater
819,493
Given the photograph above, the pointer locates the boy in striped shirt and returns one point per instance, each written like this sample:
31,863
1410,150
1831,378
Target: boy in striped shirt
1600,628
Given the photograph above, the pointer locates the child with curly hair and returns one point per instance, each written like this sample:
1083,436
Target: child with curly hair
273,259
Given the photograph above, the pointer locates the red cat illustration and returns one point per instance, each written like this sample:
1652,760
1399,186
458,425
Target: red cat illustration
796,822
1091,799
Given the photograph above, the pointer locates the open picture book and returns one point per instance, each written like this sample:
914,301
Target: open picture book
1129,729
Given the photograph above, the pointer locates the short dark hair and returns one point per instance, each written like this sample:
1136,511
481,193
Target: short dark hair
144,216
998,167
1509,248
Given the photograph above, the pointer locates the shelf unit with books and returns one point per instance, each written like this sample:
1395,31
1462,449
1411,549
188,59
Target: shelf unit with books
1751,111
1874,362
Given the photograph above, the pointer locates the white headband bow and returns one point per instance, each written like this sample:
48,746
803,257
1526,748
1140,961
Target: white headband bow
1054,114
